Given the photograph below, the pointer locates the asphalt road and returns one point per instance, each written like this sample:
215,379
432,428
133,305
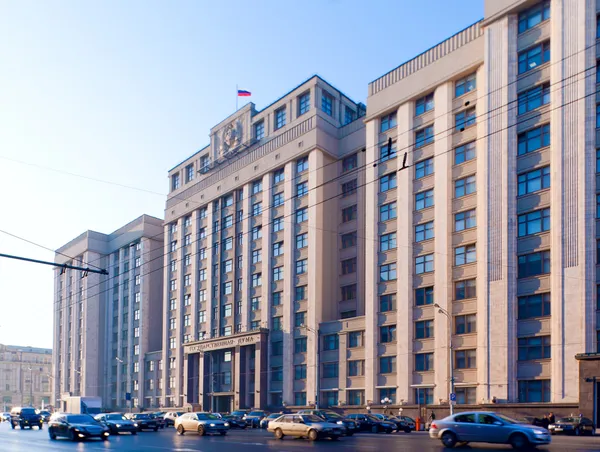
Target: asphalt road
255,441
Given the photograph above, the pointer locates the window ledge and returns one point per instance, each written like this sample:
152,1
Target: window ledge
529,72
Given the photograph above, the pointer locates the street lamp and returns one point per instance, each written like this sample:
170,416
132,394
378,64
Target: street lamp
130,401
317,334
447,314
385,402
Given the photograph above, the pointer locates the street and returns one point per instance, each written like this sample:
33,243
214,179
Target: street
254,440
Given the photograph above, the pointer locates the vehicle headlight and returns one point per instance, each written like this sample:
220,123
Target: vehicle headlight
118,425
226,424
539,432
212,425
135,425
340,422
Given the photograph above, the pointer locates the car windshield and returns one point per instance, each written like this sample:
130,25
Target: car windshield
141,416
238,413
568,419
27,411
80,419
274,416
311,418
508,420
331,415
373,418
207,417
257,413
115,417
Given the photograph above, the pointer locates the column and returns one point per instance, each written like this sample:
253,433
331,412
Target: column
289,270
236,377
201,391
260,368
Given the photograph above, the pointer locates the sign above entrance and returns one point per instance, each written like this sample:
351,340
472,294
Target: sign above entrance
218,344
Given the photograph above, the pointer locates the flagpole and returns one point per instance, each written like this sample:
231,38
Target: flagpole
236,98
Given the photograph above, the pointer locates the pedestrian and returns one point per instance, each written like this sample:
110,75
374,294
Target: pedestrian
545,421
431,416
551,418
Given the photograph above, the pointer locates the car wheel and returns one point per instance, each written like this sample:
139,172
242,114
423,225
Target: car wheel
180,429
374,429
350,434
156,429
577,431
449,440
104,438
278,433
313,435
388,431
223,433
518,441
335,438
40,426
13,426
72,436
201,430
21,426
51,434
407,430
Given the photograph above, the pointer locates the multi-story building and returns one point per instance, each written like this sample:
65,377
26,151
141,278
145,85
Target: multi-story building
25,375
104,325
261,246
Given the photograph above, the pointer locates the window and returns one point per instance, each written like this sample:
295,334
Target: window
278,199
465,85
349,239
256,256
331,370
349,115
202,274
327,103
300,372
172,342
388,122
254,325
303,103
228,221
423,329
534,222
172,304
423,137
534,347
187,259
424,104
259,130
301,266
173,284
534,264
277,249
202,253
387,364
424,168
533,16
277,273
424,296
349,266
201,233
387,211
349,188
355,339
423,362
387,302
276,298
175,182
356,368
301,215
534,390
465,220
387,242
277,373
228,243
202,295
349,213
387,334
533,181
138,280
533,98
387,182
279,118
465,359
534,56
466,395
277,323
424,231
228,266
387,152
533,139
424,199
597,116
256,232
255,304
330,342
228,201
256,187
465,119
464,186
204,164
257,280
256,209
301,241
227,288
465,324
302,189
348,292
300,345
174,245
278,176
349,163
277,348
465,254
424,264
465,289
300,293
187,280
355,397
532,306
387,272
278,224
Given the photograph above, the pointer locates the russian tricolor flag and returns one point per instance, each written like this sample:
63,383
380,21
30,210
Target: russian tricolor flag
244,93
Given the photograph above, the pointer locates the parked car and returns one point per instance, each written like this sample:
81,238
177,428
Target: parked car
45,415
203,423
76,427
531,420
144,422
239,413
401,425
572,426
235,421
253,418
264,423
25,417
117,423
171,416
350,426
487,427
303,426
369,423
409,421
159,418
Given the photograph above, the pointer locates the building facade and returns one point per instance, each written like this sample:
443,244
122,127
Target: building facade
25,376
104,325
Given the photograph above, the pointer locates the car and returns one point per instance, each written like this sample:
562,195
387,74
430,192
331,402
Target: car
350,426
264,422
304,426
401,425
76,427
370,423
409,421
171,416
4,417
239,413
235,421
117,423
253,418
159,418
25,417
487,427
202,423
572,425
144,422
45,415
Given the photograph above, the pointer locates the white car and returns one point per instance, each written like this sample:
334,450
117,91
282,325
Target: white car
171,416
202,423
4,417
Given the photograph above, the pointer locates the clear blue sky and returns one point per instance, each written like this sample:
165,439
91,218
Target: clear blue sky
122,91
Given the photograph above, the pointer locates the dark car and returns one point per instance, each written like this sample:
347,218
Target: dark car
239,413
117,423
409,421
350,425
369,423
253,418
45,415
76,427
264,423
572,426
159,418
235,421
25,417
401,425
144,422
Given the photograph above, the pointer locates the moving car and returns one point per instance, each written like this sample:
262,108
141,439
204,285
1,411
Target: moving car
235,421
45,415
25,417
253,418
350,426
303,426
117,423
203,423
487,427
369,423
171,416
159,418
4,417
401,425
76,427
572,426
264,422
144,422
239,413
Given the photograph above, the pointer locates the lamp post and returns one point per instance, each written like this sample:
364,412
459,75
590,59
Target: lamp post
317,334
447,314
385,402
129,401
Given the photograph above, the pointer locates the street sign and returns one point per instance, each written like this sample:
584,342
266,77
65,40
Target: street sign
452,397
